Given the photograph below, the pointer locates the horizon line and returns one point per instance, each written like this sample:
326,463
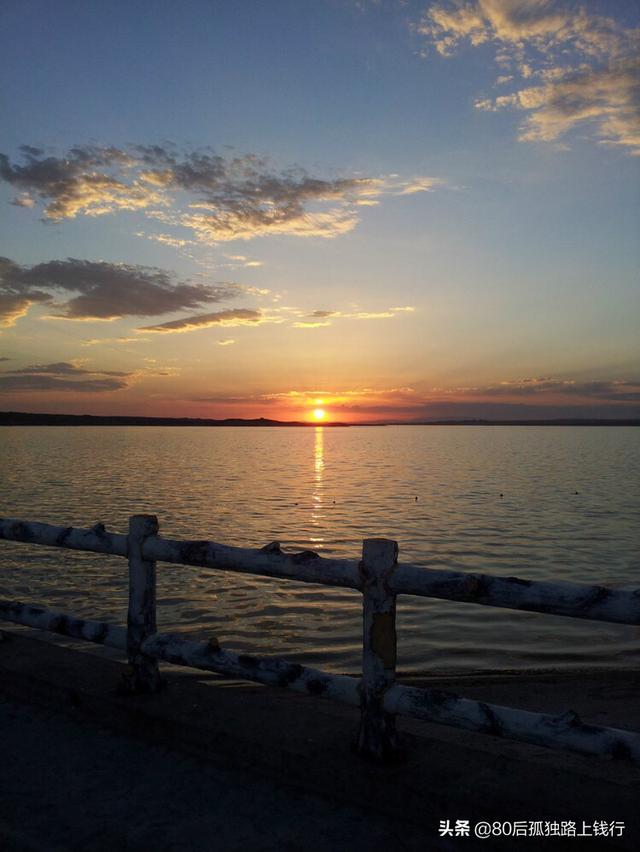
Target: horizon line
24,418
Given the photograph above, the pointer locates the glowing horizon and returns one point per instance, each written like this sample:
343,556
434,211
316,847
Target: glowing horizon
456,239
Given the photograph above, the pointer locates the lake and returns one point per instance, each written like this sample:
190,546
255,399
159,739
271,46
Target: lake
553,503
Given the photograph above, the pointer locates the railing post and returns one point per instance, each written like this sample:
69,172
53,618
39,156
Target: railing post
141,617
377,737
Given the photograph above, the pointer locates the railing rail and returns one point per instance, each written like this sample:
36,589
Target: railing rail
574,600
379,578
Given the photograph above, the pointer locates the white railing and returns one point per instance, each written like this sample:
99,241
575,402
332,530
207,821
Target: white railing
379,578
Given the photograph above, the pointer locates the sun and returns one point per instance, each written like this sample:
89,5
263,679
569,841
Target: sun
318,413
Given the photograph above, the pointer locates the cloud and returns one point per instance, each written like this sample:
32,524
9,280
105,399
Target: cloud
23,201
226,341
310,397
242,260
332,397
423,184
165,239
10,383
103,291
607,98
612,390
260,219
528,398
63,376
291,316
582,68
73,376
13,306
544,24
234,316
317,319
94,341
85,290
82,182
63,368
322,319
223,198
543,388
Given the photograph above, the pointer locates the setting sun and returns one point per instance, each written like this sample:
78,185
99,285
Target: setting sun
318,413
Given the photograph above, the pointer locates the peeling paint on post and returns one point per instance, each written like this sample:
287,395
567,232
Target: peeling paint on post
377,738
100,632
96,539
173,648
598,603
141,616
566,731
380,580
269,561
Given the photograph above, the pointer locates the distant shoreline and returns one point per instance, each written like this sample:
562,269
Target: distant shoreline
19,418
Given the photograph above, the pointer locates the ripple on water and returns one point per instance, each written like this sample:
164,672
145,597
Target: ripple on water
326,490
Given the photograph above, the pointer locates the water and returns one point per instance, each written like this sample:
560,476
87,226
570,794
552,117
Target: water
327,489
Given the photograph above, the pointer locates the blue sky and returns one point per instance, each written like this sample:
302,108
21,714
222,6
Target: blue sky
403,209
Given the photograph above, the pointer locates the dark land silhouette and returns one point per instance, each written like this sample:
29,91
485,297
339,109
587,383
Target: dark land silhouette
22,418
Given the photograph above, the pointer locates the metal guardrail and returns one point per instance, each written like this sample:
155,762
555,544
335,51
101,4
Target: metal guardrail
379,578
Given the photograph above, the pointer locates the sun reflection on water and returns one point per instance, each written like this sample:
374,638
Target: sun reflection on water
319,454
317,515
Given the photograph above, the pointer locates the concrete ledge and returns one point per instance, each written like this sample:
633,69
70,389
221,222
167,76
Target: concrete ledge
304,742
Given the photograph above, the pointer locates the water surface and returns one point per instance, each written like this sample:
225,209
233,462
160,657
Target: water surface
569,510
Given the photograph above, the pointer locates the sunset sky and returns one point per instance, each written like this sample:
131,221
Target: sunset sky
389,210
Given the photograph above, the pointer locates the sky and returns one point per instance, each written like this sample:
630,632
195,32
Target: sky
388,210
